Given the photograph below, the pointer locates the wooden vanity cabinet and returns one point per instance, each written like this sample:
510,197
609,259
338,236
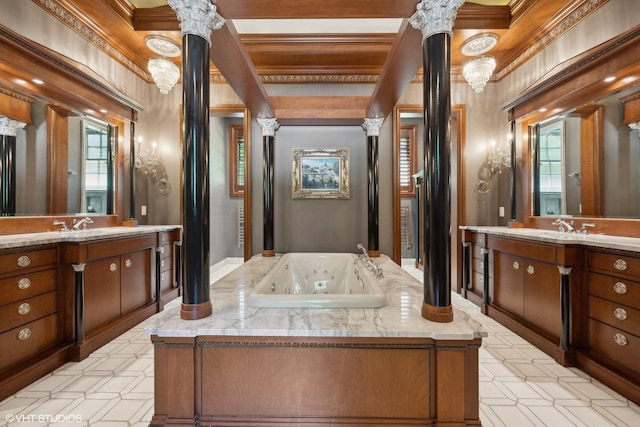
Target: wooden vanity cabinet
476,260
29,316
613,339
169,244
526,292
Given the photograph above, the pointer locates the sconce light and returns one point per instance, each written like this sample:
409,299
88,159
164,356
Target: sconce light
479,69
152,165
164,72
497,158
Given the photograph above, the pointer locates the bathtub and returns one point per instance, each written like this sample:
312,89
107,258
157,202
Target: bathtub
318,280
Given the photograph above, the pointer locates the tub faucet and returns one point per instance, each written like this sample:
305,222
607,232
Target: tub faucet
562,224
364,251
81,224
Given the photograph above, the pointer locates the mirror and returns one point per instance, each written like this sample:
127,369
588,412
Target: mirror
584,162
84,153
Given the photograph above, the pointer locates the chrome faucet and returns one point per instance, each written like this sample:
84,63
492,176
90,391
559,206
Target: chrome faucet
63,224
81,224
583,227
377,271
562,225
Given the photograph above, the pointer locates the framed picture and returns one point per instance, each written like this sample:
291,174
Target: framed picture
320,173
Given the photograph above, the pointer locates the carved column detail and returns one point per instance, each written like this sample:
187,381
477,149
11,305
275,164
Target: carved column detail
9,127
372,126
198,17
269,126
435,16
435,19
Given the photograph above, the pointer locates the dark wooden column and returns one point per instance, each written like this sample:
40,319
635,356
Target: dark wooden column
8,132
269,127
435,19
132,172
372,126
197,19
565,307
78,307
512,170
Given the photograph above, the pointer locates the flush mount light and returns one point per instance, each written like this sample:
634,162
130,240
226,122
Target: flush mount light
163,46
479,44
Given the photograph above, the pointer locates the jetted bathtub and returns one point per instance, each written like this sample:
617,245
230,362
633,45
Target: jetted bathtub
318,280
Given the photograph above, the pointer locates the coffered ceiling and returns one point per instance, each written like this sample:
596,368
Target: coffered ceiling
306,41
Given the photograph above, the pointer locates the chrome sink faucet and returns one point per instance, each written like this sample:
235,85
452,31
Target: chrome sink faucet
564,226
63,225
583,227
81,224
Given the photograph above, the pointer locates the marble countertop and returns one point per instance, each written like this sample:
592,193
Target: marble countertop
49,237
551,236
232,316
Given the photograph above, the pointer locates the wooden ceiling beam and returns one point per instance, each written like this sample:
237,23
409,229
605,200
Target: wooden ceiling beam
320,110
402,64
470,16
232,60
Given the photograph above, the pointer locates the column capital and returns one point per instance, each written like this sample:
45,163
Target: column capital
372,125
9,126
565,271
635,126
268,126
198,17
435,16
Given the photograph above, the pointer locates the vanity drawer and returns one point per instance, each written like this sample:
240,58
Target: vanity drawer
24,311
618,346
166,280
615,289
27,285
617,315
20,261
614,263
27,340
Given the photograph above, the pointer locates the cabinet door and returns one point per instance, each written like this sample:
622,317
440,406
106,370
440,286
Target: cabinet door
542,296
136,280
508,282
101,292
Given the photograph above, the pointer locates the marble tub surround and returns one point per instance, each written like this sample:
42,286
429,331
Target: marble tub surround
49,237
552,236
233,316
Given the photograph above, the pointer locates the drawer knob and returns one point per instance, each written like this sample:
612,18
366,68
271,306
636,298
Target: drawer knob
530,269
620,288
24,334
113,266
24,308
516,265
162,276
620,339
24,261
162,263
620,313
162,250
24,283
620,265
128,263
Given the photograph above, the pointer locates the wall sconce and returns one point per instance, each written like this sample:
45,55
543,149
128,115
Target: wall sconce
152,165
478,70
497,158
164,72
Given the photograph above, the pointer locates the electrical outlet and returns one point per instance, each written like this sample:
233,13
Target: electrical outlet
501,211
144,210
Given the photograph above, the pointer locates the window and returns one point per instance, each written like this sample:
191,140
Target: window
550,169
236,160
96,167
408,160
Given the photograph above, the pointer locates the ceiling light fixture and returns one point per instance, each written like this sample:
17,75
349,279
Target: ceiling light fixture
479,44
478,72
164,72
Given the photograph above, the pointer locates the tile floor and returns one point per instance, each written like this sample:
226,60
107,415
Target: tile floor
519,385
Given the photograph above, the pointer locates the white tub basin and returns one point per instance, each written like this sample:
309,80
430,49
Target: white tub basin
318,280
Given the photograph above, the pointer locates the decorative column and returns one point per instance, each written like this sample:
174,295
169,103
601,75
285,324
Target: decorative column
565,307
79,301
8,131
372,126
197,19
512,171
435,19
132,172
269,127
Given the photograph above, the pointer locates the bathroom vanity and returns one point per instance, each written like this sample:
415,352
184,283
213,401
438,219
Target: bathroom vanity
574,296
63,295
245,365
